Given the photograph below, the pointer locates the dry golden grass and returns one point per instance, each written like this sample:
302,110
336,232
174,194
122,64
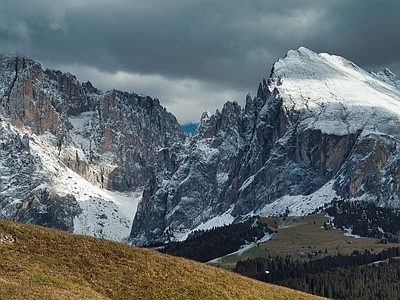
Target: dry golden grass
49,264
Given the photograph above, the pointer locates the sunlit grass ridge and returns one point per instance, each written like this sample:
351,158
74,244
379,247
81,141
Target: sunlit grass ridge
43,263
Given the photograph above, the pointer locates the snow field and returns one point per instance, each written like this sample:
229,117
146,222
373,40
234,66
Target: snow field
105,214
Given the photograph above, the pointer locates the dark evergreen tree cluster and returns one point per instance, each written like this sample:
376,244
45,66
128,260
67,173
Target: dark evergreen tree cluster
366,219
205,245
355,276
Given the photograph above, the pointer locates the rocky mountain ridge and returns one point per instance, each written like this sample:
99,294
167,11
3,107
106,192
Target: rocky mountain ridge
52,125
320,128
117,165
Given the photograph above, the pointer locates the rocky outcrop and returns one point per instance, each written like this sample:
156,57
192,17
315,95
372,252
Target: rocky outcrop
132,129
6,238
111,139
48,209
24,195
23,99
122,134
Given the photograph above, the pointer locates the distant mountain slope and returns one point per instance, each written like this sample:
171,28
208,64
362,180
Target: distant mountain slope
66,144
38,262
320,128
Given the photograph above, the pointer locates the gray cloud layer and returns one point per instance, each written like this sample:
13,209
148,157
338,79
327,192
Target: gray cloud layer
195,55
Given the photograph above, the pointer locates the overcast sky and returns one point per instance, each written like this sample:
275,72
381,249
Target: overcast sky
194,55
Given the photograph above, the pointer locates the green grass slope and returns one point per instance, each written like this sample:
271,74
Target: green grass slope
41,263
299,236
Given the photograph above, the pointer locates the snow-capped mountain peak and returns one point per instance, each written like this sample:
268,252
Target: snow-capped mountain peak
320,128
339,95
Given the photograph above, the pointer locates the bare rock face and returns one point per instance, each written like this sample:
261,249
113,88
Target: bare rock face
132,129
50,210
41,101
23,99
122,133
24,196
111,139
373,170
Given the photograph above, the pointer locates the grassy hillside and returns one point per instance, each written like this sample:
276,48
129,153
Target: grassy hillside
41,263
306,234
299,236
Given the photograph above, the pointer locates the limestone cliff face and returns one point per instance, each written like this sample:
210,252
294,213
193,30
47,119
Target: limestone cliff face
113,148
111,139
131,129
372,170
23,99
41,101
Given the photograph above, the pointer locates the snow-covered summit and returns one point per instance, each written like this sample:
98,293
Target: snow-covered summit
388,76
335,95
320,128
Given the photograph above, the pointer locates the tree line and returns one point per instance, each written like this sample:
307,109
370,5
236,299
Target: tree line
205,245
366,219
356,276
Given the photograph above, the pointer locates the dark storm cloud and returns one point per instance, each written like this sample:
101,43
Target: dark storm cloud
222,46
366,32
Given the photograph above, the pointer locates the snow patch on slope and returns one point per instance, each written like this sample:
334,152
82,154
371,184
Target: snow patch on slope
105,214
218,221
81,126
300,205
109,218
389,77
